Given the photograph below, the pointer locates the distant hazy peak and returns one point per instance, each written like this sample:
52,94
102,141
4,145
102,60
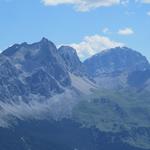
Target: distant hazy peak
116,50
116,59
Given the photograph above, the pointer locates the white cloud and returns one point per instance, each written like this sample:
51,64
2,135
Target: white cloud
105,30
125,2
146,1
84,5
130,13
148,13
87,5
126,31
142,1
94,44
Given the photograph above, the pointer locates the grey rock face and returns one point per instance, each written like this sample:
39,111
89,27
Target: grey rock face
32,69
10,85
139,78
72,61
42,83
116,60
40,68
43,54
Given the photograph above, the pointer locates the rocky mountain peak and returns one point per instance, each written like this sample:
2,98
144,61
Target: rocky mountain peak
116,60
67,50
44,39
71,59
38,67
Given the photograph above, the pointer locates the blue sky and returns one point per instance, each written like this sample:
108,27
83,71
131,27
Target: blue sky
88,25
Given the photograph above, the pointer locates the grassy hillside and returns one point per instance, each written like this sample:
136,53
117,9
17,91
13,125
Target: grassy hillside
115,111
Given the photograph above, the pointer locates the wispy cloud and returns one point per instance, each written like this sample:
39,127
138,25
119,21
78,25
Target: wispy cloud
142,1
106,30
125,31
94,44
148,13
146,1
85,5
130,13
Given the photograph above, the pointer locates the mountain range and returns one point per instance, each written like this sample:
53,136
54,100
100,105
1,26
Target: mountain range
51,100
